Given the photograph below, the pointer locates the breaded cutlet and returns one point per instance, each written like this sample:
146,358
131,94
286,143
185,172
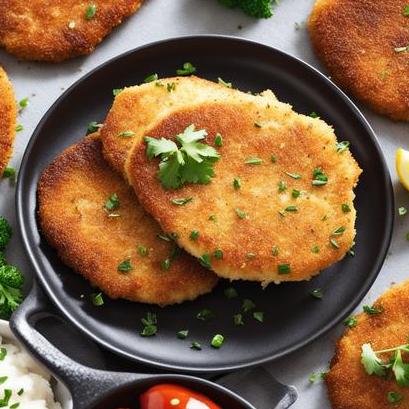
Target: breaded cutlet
349,386
96,240
364,46
57,30
278,226
8,114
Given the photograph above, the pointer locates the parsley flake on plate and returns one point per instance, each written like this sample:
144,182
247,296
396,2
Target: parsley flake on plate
188,69
191,162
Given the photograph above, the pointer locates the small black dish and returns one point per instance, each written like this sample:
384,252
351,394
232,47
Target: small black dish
96,389
292,317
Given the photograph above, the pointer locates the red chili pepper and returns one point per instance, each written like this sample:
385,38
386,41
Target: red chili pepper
168,396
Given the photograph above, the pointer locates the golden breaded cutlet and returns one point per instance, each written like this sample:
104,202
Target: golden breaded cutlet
57,30
8,114
349,386
93,241
363,44
264,232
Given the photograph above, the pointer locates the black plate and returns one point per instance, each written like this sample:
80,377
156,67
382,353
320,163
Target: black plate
292,317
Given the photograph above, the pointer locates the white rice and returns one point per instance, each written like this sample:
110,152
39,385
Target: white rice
29,383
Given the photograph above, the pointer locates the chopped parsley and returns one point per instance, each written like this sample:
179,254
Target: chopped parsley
194,235
181,201
217,341
291,209
238,319
90,12
192,162
351,322
23,104
9,173
371,310
394,397
334,244
231,292
125,266
318,177
282,186
165,264
126,134
258,316
6,398
317,293
182,334
253,161
196,345
402,211
342,146
345,207
142,251
117,91
151,78
293,175
171,86
205,260
240,213
405,11
236,183
19,128
339,231
218,140
218,254
3,353
188,69
150,327
284,269
248,305
222,82
93,127
315,249
112,203
97,299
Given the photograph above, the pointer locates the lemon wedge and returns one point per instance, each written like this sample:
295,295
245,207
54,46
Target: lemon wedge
402,166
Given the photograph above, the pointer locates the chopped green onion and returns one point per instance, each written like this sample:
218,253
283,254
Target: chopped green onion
112,203
275,251
238,319
117,91
222,82
317,293
218,140
142,251
187,69
241,214
295,193
345,207
315,249
204,314
194,235
93,127
126,134
284,269
218,254
205,261
402,211
282,186
91,11
342,146
253,161
371,310
236,183
248,305
273,159
19,128
258,316
334,243
291,209
166,264
231,292
196,345
339,231
97,299
183,334
293,175
351,322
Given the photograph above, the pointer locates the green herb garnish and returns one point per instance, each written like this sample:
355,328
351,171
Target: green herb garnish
295,193
125,266
204,314
351,322
181,201
126,134
217,341
222,82
345,207
319,178
253,161
342,146
196,345
293,175
165,264
238,319
236,183
240,213
151,78
284,269
394,397
218,254
90,12
402,211
187,69
315,249
248,305
258,316
97,299
194,235
183,334
317,293
282,186
230,292
112,203
371,310
23,104
192,162
93,127
142,251
205,260
117,91
218,140
150,327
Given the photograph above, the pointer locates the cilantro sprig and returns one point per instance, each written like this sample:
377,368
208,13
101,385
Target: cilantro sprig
190,162
374,364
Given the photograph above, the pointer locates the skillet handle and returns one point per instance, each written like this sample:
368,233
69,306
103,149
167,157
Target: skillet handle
84,383
259,388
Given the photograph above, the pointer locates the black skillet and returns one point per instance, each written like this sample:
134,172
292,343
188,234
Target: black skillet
97,389
292,317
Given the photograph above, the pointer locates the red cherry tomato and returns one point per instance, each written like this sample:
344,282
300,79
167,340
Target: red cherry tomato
168,396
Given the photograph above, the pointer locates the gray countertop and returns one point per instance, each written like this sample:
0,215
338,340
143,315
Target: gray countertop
160,19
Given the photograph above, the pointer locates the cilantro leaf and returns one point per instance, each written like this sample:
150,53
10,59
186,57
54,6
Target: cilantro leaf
372,364
400,369
191,162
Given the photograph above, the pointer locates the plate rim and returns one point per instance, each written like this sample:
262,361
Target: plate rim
343,313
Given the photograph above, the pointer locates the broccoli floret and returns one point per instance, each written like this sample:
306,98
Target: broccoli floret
3,260
11,296
11,276
5,233
253,8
